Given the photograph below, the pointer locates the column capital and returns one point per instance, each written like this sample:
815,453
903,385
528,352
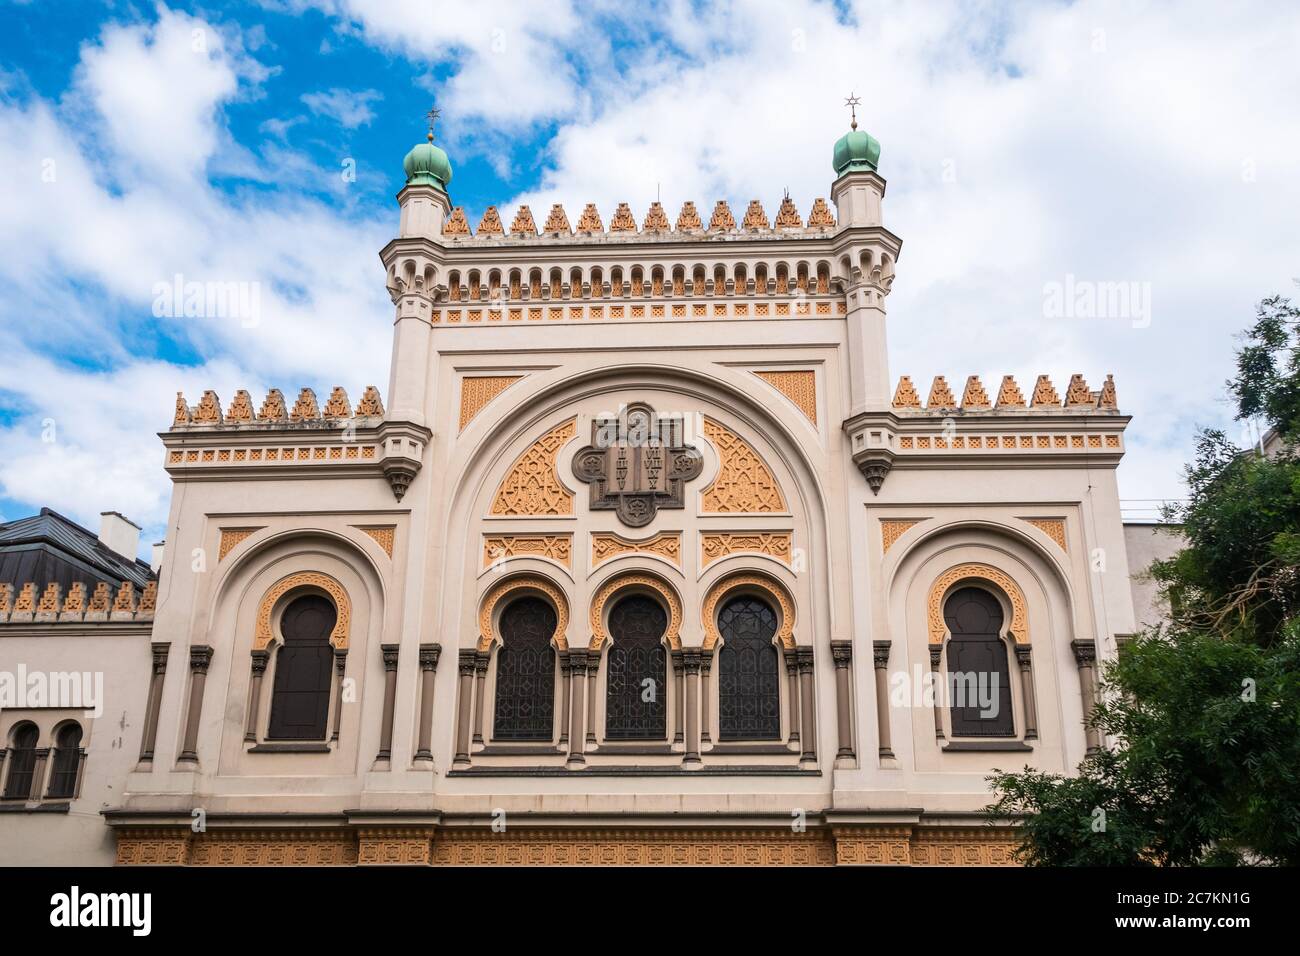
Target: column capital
880,654
1022,654
429,654
578,660
481,659
842,654
200,658
1085,652
260,660
936,653
805,657
160,651
692,659
390,656
465,661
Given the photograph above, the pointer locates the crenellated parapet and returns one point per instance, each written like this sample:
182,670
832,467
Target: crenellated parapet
1083,429
305,438
654,225
275,412
1043,397
27,604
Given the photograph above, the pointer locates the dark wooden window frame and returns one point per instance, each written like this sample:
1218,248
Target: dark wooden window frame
960,732
319,648
65,763
526,654
764,727
653,720
21,761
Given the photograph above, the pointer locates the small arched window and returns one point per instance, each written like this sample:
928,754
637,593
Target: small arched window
979,679
636,681
525,691
301,698
22,762
66,763
749,674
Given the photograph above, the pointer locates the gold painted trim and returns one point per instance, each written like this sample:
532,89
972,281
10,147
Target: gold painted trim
501,547
476,391
338,637
524,583
799,387
606,545
533,485
775,589
714,546
980,572
622,582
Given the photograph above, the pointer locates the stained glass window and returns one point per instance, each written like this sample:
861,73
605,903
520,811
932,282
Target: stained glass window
749,673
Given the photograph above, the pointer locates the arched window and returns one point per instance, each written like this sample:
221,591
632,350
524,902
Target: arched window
66,762
978,677
301,698
636,680
22,762
525,693
749,673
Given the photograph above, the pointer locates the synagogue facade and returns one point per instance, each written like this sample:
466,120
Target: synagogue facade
644,555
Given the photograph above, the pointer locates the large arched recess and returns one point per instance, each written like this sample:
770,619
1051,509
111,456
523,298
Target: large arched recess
476,464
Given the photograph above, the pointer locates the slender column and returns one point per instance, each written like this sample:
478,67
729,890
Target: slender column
807,730
390,693
154,701
465,668
880,657
38,774
480,682
429,654
260,660
593,666
842,654
792,673
1085,655
563,657
200,658
936,685
1027,692
340,666
706,721
691,662
679,692
578,680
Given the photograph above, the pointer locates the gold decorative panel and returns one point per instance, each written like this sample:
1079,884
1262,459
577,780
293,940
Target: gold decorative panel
477,390
338,637
748,582
717,545
891,529
744,484
606,545
525,584
498,547
1018,629
383,536
642,582
532,487
799,387
480,846
231,537
1054,528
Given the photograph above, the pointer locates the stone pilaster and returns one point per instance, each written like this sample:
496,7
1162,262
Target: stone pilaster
464,704
153,703
880,659
1085,655
390,695
429,654
1027,697
842,655
260,659
200,658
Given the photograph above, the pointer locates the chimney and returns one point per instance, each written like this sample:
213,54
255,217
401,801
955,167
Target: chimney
119,534
156,558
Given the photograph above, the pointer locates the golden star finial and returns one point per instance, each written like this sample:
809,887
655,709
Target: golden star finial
853,103
432,117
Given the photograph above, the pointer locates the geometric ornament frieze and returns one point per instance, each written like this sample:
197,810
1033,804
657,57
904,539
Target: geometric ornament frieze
637,463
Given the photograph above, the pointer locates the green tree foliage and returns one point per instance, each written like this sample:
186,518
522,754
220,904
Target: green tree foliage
1205,710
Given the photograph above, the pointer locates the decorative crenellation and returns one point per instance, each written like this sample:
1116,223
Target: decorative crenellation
50,605
975,398
274,410
689,223
279,455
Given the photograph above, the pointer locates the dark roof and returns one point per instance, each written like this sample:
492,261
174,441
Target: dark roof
49,547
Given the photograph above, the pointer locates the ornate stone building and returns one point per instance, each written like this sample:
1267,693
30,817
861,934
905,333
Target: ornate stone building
643,557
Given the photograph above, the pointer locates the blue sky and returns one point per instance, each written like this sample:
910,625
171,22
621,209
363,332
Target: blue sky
1024,145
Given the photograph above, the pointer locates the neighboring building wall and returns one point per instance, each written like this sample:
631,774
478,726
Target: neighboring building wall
1144,544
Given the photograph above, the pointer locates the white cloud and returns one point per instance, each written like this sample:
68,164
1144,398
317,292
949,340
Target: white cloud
348,108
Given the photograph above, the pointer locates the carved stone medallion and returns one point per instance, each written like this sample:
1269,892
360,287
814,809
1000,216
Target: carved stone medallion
637,463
